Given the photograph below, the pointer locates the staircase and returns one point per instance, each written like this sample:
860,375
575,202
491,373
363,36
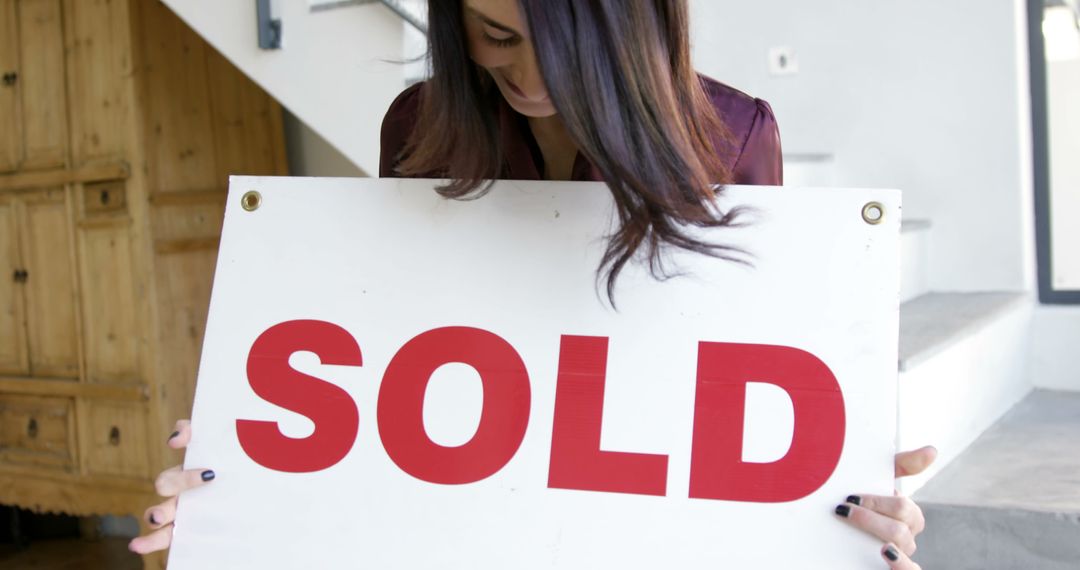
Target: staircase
961,358
1005,490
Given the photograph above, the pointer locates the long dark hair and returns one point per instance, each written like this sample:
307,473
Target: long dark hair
618,72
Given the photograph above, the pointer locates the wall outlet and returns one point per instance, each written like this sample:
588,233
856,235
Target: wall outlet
782,61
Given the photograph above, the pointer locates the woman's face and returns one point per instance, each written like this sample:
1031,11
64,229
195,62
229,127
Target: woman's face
499,42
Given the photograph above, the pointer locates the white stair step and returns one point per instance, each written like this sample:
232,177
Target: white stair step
933,322
809,170
1012,500
962,366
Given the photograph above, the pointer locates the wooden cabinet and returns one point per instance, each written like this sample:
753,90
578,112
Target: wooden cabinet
118,129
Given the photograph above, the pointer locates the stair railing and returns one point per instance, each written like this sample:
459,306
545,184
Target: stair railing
397,7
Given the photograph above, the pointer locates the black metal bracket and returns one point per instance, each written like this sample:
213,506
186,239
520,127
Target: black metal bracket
270,30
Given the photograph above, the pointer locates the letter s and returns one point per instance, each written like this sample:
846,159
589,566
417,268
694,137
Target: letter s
331,409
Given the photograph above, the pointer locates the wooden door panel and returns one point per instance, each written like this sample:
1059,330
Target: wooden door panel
42,84
36,431
50,287
13,356
245,121
180,136
100,71
10,127
110,323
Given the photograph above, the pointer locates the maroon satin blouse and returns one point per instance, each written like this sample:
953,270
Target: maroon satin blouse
753,149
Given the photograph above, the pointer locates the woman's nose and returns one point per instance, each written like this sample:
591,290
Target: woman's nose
527,78
525,71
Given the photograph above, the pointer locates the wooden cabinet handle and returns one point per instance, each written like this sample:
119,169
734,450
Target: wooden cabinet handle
21,275
32,428
114,436
10,78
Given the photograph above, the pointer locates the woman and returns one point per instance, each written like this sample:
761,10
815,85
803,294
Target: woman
599,90
508,102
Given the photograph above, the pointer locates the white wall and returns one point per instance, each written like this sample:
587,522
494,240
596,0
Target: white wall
928,96
1063,92
311,155
337,71
1053,358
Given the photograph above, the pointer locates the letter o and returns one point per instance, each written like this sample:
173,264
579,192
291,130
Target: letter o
503,419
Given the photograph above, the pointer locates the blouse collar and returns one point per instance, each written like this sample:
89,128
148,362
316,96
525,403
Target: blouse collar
522,154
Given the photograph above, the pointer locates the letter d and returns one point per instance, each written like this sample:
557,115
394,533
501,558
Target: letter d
716,467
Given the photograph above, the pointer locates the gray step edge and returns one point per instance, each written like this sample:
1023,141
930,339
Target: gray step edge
931,323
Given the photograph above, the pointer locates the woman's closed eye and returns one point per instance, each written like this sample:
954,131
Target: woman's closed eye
500,38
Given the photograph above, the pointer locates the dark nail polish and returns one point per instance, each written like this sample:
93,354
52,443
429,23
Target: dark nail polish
153,520
891,554
854,499
174,434
843,510
207,475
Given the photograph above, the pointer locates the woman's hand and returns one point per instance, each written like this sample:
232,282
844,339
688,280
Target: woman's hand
169,484
895,520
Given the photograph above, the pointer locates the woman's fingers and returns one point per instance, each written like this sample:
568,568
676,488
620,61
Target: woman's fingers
914,462
160,515
897,559
885,528
173,481
900,508
160,539
169,483
181,435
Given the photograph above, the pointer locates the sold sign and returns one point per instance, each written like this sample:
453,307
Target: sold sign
600,437
577,462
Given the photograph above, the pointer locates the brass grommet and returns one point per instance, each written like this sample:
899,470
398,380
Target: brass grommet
251,200
873,213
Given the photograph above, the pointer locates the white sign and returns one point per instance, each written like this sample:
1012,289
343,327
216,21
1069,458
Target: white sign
393,380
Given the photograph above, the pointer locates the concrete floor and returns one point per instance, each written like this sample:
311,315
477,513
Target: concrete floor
1028,460
1012,499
